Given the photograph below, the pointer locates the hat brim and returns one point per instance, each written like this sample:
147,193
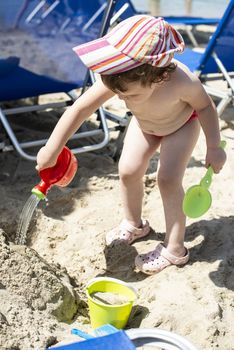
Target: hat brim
103,58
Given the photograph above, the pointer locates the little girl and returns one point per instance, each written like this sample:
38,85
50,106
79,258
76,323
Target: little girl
168,103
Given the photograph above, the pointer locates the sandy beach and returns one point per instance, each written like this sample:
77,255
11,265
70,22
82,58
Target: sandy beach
42,286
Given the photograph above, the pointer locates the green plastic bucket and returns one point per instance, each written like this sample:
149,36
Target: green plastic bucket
101,313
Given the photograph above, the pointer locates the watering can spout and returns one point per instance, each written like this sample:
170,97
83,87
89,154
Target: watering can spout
41,190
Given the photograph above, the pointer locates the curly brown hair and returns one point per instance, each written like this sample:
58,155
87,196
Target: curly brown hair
145,74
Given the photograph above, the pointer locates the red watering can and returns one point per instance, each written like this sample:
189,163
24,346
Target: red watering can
61,174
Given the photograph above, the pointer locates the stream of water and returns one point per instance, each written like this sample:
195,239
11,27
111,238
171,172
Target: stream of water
25,219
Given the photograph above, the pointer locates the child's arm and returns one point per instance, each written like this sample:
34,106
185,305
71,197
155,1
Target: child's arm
70,121
194,94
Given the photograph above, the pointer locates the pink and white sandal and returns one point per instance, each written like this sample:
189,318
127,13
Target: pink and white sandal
127,233
156,260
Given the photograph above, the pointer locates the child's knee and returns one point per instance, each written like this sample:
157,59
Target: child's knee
128,172
168,180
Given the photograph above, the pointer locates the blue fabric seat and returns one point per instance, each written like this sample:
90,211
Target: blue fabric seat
193,21
12,78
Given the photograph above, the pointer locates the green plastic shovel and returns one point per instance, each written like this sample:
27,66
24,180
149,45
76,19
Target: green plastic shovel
197,199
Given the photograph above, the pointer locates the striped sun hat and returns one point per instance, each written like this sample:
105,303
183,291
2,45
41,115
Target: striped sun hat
137,40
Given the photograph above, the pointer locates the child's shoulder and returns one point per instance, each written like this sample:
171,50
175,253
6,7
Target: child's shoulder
183,74
186,81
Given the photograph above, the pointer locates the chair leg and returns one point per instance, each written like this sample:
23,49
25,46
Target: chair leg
191,36
223,104
12,137
225,98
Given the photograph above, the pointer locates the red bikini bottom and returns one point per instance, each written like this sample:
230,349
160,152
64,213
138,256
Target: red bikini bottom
193,116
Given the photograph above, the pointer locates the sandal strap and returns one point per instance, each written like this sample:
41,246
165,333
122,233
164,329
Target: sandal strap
174,260
126,226
127,232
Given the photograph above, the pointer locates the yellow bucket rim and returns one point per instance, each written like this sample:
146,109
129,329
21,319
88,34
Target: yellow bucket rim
113,280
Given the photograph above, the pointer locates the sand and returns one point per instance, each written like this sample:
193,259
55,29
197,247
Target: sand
42,286
66,237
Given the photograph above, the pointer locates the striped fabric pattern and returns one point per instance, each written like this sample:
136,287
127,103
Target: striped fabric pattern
137,40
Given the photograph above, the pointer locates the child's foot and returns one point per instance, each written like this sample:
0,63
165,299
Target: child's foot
127,233
156,260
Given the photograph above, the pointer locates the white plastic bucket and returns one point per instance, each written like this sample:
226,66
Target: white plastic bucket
159,338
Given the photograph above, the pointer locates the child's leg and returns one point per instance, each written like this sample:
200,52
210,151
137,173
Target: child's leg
175,153
137,151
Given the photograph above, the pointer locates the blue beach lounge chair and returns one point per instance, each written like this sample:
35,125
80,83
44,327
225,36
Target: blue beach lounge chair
216,61
37,59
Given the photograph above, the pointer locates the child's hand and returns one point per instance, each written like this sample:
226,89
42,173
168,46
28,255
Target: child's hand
215,157
45,159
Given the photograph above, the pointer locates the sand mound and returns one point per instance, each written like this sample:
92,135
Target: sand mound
34,297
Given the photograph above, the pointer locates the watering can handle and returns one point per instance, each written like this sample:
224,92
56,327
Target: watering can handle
206,180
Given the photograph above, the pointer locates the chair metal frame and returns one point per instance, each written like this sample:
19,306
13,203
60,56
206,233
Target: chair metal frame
225,97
